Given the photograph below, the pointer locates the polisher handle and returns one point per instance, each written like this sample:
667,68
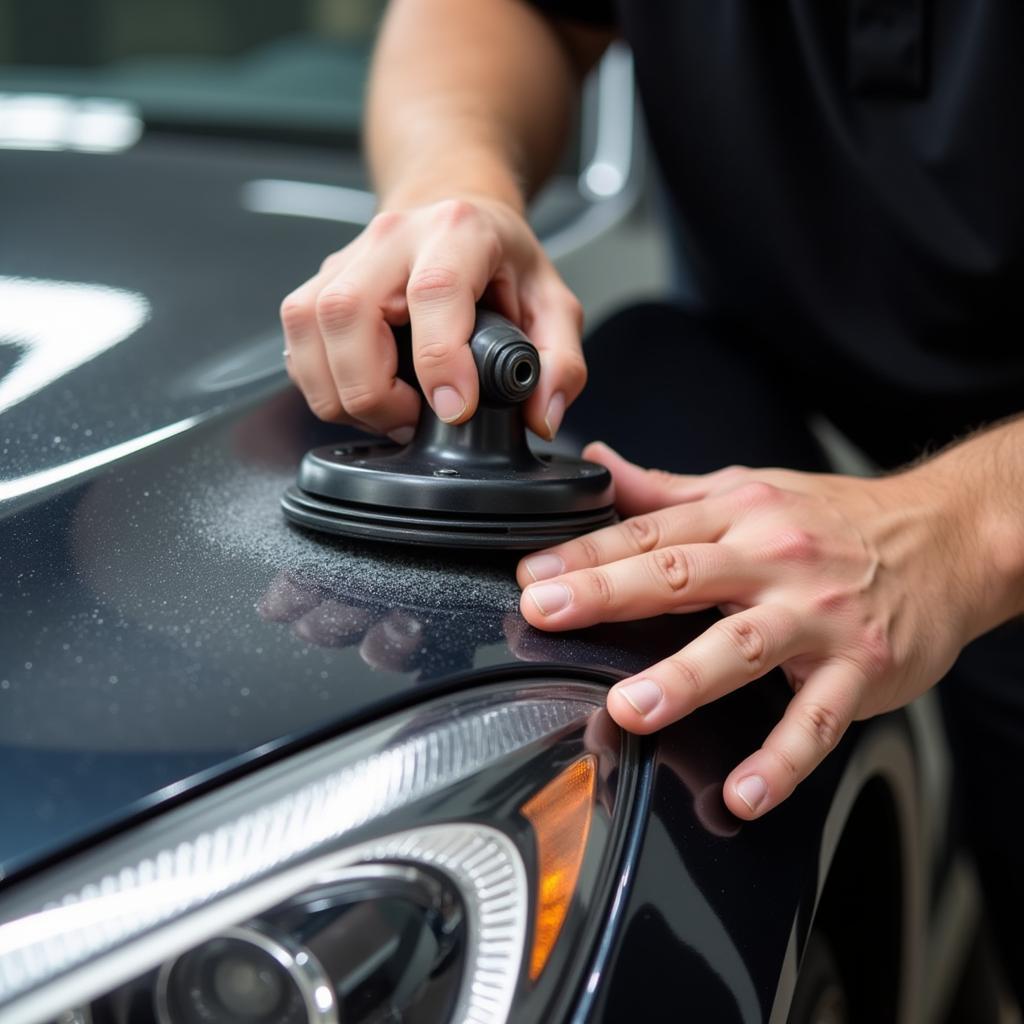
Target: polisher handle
507,362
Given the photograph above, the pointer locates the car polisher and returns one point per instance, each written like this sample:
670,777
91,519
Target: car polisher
475,485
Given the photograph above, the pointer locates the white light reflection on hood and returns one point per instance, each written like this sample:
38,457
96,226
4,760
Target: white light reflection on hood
89,124
25,486
57,326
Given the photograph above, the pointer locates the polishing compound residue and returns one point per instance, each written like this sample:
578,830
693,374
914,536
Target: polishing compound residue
242,518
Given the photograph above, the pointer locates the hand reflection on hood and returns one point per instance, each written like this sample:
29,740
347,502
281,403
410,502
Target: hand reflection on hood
388,639
443,641
680,752
703,775
428,641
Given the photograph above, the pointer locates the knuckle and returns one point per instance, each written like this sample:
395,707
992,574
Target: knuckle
796,545
492,248
822,725
788,762
599,586
383,224
643,533
433,284
662,477
688,677
324,407
431,355
360,402
333,260
730,476
295,313
591,552
672,567
747,638
338,307
456,212
876,649
573,368
832,601
756,494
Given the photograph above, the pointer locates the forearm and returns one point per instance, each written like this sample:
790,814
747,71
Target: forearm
466,97
979,486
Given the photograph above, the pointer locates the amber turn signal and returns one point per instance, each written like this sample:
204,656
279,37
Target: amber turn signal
560,815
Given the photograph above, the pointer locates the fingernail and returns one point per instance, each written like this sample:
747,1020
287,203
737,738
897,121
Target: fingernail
644,695
553,417
543,567
448,404
752,790
402,435
549,597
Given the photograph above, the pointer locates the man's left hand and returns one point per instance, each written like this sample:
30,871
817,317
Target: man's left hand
862,591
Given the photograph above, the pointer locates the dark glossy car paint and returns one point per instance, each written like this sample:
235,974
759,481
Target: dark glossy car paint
164,629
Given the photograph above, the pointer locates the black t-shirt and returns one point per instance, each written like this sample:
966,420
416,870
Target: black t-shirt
848,179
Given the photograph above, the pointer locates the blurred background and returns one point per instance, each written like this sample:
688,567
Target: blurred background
289,66
296,72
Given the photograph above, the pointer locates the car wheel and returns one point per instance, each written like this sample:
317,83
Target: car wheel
977,996
820,996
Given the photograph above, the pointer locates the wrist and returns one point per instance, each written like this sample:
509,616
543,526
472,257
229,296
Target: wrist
984,540
430,178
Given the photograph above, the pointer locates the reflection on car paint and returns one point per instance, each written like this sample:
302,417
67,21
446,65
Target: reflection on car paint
160,225
50,121
22,487
309,199
57,326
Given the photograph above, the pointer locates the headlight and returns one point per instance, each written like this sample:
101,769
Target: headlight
427,868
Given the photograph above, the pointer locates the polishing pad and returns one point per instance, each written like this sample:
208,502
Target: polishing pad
476,485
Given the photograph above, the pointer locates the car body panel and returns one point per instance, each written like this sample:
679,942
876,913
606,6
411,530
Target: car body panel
719,910
166,620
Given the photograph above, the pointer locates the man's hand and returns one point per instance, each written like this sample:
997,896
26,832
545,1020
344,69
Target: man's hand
862,591
429,265
469,105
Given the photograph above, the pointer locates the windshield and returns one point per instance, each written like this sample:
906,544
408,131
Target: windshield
254,65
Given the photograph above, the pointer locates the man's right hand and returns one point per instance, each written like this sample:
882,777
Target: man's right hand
430,265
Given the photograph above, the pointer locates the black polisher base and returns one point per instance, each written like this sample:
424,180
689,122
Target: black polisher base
436,530
556,499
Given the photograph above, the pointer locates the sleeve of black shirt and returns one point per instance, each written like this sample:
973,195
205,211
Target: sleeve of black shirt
593,12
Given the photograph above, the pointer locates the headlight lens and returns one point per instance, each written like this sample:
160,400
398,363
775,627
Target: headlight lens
420,869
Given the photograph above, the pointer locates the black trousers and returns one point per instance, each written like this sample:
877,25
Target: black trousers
686,393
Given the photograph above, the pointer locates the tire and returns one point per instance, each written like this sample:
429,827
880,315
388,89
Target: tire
820,996
977,996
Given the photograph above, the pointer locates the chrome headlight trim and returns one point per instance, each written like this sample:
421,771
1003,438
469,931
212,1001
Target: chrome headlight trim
303,970
155,891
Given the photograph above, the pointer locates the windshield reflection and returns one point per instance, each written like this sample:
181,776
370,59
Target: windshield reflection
262,67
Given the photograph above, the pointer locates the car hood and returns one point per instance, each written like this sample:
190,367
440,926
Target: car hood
140,289
162,624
